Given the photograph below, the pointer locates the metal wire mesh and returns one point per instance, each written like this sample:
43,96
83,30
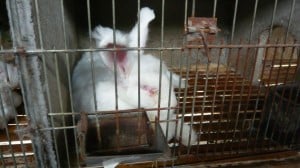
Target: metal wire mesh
241,93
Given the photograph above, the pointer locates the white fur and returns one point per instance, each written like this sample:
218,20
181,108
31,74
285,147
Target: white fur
8,75
127,84
9,99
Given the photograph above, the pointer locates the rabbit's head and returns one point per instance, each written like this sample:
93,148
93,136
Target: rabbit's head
118,43
115,53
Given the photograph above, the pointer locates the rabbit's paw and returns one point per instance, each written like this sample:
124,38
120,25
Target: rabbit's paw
146,15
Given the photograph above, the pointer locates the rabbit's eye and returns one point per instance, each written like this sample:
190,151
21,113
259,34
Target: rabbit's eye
151,90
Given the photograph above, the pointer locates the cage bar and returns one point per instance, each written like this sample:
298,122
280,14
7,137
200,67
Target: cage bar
234,90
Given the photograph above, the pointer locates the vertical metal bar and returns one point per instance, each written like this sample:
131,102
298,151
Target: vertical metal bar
160,56
46,77
7,133
193,8
114,41
273,17
3,114
288,107
202,112
88,3
115,75
297,53
179,95
93,72
12,27
264,91
37,155
294,137
185,14
184,105
211,132
247,102
17,124
47,87
258,100
234,20
50,107
169,99
185,93
39,24
92,65
240,102
232,104
256,112
14,110
224,100
221,111
69,81
290,20
212,106
195,88
214,99
215,8
281,98
253,21
267,93
139,54
204,99
61,106
290,112
2,158
139,66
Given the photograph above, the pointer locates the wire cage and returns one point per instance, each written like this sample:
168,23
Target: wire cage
238,92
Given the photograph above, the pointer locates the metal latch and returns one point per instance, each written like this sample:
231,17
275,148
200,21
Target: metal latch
197,27
201,30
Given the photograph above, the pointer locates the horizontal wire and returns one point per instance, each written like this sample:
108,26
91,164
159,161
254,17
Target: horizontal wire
36,51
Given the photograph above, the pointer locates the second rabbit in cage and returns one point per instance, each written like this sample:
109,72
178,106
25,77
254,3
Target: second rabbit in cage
153,94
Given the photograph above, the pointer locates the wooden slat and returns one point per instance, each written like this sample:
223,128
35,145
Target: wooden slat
7,149
11,146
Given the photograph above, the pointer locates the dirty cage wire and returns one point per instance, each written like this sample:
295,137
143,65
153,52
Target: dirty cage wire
214,84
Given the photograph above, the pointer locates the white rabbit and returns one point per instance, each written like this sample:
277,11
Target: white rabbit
104,37
127,78
82,83
9,99
149,96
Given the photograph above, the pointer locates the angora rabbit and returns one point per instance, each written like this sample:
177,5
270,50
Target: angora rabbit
127,78
9,99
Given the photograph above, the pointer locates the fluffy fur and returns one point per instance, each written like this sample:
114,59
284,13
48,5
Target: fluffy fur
9,99
126,65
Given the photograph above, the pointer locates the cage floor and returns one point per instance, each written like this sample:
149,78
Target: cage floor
223,107
226,110
16,150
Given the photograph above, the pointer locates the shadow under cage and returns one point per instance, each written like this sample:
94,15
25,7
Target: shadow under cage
224,76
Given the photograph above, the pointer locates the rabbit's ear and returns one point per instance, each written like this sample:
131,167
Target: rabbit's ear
146,16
